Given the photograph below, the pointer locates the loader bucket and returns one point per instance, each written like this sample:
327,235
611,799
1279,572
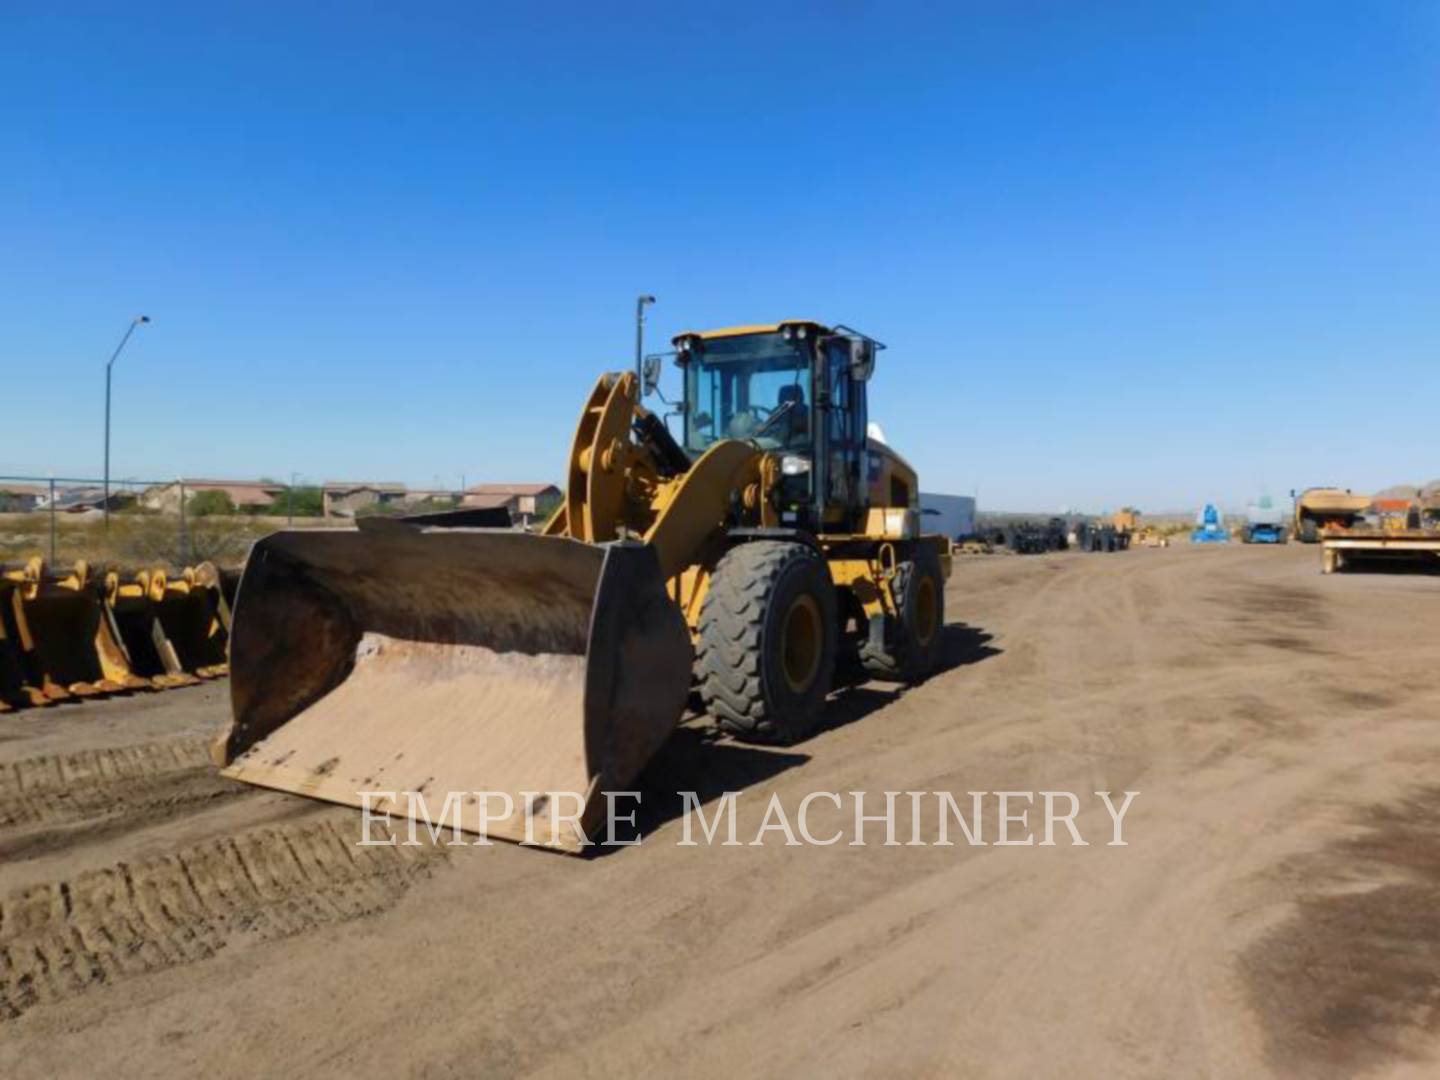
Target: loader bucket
131,601
188,608
15,685
521,676
220,586
66,640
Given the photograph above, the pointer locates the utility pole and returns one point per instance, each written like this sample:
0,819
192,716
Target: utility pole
640,302
110,364
52,521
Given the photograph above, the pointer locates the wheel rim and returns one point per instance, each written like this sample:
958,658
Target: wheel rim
927,611
800,643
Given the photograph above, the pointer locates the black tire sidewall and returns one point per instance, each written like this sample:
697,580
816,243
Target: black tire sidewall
905,659
805,573
920,659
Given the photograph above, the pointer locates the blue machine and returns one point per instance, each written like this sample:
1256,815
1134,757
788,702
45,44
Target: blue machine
1263,524
1209,529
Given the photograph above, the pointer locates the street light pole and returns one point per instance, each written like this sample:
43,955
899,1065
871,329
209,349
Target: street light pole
640,302
110,364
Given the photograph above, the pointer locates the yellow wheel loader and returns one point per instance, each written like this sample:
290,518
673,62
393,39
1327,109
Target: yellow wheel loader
503,682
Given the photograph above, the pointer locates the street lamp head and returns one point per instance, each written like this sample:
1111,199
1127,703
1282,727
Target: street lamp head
142,319
647,299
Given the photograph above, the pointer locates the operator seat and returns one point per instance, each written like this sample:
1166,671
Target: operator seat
799,416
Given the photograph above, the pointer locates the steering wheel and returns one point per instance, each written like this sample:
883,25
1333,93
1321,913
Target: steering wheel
747,420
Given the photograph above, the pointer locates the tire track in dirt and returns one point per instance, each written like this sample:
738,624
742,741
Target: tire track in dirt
56,800
63,938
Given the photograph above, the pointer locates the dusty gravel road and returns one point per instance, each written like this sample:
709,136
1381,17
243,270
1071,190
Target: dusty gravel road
1276,910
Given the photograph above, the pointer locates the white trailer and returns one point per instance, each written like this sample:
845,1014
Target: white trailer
949,515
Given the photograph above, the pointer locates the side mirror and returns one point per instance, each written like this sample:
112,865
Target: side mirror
862,358
649,375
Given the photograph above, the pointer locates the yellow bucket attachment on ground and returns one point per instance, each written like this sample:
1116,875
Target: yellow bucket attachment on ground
67,643
221,585
15,685
189,611
132,601
517,676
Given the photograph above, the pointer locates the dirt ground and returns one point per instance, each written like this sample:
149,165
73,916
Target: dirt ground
1275,911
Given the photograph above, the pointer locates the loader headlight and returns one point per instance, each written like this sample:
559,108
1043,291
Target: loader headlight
794,465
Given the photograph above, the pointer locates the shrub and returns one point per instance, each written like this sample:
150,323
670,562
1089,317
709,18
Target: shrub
297,502
206,503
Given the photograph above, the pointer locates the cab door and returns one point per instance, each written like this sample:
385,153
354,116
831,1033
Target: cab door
845,424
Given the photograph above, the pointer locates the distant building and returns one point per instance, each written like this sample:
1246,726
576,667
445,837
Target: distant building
342,498
79,499
22,498
244,494
949,515
527,504
430,495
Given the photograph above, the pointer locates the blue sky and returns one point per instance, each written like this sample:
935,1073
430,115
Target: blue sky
1121,253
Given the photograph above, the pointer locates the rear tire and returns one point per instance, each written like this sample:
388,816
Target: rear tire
914,648
768,635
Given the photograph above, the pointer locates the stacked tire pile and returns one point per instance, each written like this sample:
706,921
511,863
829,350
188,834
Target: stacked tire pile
77,633
1094,536
1032,538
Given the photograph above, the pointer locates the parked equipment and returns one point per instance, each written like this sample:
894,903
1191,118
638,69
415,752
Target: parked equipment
73,634
1035,538
1098,535
1126,522
66,645
190,608
1264,523
1411,541
1419,548
133,602
545,670
1320,511
1210,527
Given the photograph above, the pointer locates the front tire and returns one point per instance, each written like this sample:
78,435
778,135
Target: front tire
768,634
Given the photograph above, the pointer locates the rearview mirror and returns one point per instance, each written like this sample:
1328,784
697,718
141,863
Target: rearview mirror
862,358
649,375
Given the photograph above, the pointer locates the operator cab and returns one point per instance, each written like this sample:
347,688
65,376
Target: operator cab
796,389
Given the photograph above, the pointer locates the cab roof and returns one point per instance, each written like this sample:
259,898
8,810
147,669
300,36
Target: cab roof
757,328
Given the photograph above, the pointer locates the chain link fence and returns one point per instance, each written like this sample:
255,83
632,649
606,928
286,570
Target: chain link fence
146,522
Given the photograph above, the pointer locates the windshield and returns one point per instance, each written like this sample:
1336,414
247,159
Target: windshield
753,386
